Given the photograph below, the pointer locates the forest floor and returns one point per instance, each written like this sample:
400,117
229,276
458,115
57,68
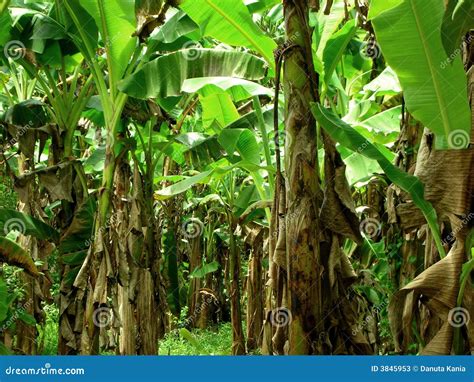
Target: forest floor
216,340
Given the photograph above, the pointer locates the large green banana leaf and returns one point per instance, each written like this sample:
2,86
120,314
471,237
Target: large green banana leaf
351,139
242,141
183,186
5,27
230,22
12,220
326,26
178,25
117,24
238,88
335,48
80,25
255,6
204,178
409,32
164,76
218,108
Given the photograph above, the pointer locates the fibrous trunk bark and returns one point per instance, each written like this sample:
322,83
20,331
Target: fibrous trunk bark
309,310
303,193
238,343
255,291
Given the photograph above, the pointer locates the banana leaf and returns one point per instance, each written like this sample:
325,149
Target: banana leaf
435,88
353,140
12,254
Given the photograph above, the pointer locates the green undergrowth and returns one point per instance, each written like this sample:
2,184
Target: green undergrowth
212,341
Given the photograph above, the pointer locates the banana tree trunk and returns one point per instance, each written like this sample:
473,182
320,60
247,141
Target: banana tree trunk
194,300
303,193
255,293
238,344
141,295
312,310
26,334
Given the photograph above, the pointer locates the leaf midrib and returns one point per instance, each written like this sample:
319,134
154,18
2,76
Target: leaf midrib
241,30
436,85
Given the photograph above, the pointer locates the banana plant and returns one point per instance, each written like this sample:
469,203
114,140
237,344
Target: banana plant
116,24
434,84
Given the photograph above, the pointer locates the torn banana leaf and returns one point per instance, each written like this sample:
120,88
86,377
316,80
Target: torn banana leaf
12,254
353,140
437,288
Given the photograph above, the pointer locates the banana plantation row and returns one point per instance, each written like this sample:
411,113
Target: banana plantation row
300,169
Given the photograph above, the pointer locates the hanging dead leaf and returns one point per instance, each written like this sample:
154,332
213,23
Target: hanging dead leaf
12,254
